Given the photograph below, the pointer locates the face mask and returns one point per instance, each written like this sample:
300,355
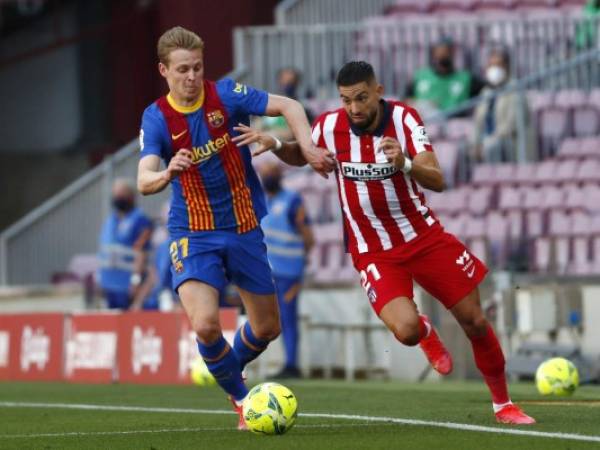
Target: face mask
122,204
289,90
495,75
445,65
272,184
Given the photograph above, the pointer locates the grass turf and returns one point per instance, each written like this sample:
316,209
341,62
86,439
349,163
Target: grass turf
465,403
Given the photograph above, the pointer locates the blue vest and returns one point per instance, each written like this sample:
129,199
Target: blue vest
116,253
285,247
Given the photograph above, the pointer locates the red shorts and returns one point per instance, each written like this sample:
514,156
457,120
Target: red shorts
439,262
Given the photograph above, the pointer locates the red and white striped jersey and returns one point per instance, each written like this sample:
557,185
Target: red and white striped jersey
383,207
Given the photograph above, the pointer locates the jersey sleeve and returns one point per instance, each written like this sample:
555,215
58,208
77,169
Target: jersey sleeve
417,140
242,99
151,140
317,131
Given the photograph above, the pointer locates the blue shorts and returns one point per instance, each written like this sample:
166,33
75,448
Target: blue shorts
219,257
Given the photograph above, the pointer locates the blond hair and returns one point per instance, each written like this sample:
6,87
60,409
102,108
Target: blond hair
175,38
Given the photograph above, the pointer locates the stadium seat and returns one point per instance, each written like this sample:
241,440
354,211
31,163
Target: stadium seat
546,171
510,197
480,200
497,232
567,171
586,121
483,174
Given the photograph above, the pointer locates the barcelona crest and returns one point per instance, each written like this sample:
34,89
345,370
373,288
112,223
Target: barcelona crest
215,118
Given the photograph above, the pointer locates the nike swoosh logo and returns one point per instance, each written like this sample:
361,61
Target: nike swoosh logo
177,136
471,273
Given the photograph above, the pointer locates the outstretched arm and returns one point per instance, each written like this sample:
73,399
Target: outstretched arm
321,161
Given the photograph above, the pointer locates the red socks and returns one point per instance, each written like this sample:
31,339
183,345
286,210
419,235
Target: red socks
489,359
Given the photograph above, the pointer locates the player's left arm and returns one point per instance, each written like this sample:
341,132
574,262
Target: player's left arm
425,168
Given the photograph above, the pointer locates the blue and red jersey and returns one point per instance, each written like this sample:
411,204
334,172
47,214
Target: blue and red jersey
221,191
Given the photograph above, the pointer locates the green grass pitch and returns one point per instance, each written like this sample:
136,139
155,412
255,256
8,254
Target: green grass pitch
333,415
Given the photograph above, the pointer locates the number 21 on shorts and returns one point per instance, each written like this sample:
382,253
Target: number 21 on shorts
176,251
366,284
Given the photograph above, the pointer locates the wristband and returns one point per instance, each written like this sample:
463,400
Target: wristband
278,144
407,166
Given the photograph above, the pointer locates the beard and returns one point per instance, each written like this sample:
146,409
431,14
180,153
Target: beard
367,123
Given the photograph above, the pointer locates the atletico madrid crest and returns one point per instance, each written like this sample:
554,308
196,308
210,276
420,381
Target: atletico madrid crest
215,118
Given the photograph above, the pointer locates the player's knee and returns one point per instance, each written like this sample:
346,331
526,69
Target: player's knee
407,333
267,330
475,325
207,332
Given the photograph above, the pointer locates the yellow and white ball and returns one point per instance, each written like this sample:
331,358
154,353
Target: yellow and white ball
270,408
557,376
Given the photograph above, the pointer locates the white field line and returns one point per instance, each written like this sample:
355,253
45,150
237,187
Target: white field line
168,430
354,417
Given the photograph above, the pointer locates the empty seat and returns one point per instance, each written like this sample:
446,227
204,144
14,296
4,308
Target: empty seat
510,197
553,197
525,173
567,170
546,171
480,200
586,121
484,174
570,98
554,122
559,223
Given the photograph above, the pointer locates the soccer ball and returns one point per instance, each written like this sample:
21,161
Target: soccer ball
199,373
270,408
557,376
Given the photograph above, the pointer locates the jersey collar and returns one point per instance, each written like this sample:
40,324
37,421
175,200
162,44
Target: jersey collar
186,109
382,125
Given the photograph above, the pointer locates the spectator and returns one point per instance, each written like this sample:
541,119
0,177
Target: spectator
496,118
288,80
124,243
156,292
289,238
586,32
441,86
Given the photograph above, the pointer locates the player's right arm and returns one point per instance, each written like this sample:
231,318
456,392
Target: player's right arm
153,139
151,179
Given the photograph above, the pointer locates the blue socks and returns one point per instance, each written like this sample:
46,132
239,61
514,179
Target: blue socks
246,346
222,362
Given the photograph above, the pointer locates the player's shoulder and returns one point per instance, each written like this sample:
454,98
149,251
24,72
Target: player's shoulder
230,88
323,116
152,112
401,105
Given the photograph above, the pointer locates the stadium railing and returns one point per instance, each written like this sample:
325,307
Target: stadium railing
397,48
45,240
297,12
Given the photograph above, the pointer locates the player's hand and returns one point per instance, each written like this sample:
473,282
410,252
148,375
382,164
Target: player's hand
320,159
250,136
393,151
179,163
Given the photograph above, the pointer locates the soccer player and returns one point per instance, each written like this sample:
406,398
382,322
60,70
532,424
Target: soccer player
216,202
383,155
